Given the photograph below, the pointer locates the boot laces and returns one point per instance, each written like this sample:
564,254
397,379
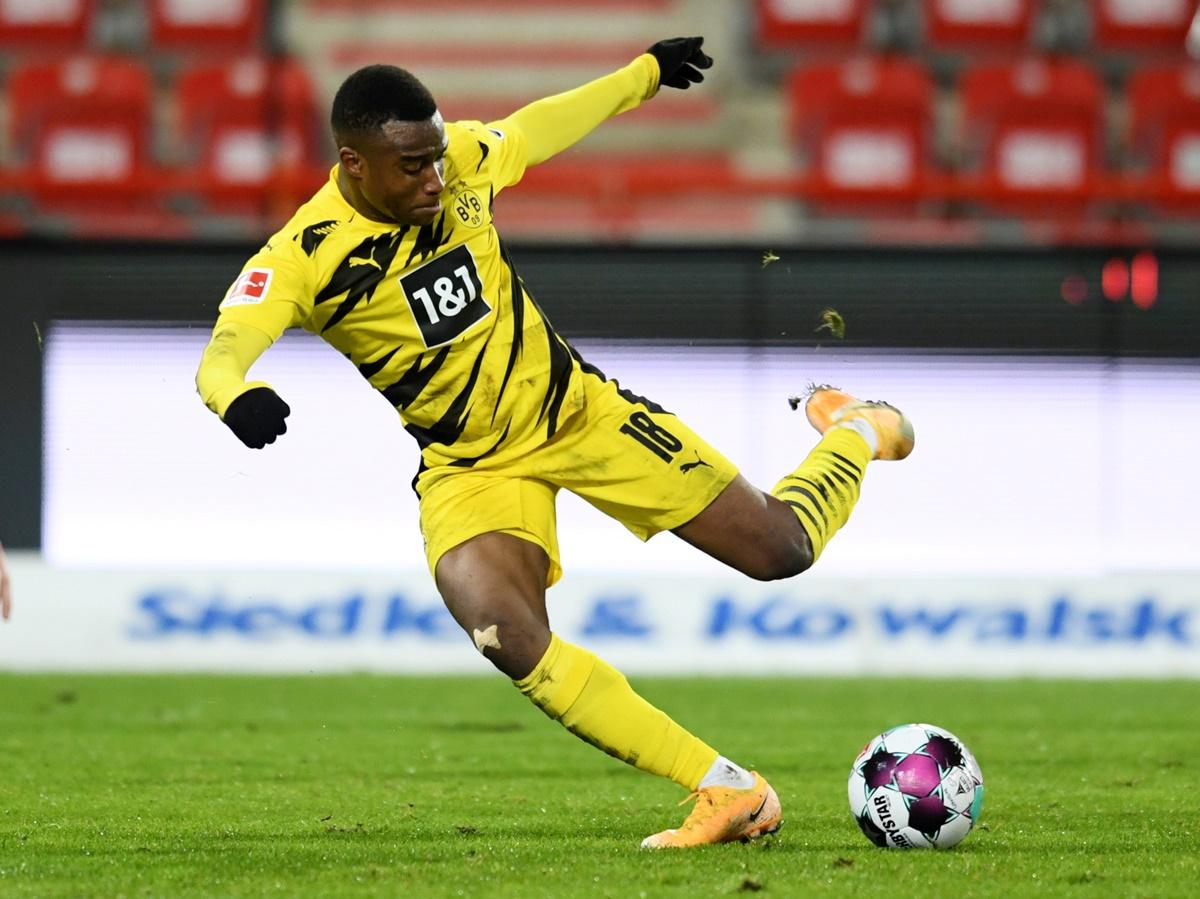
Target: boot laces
704,809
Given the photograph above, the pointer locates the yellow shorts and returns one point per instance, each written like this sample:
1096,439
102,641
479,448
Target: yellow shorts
645,468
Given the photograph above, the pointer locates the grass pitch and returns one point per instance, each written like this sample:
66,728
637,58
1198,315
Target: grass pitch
380,786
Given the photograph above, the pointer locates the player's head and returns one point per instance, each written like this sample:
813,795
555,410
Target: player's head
391,140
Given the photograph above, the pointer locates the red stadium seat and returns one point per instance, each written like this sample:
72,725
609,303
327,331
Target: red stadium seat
252,123
996,24
1033,128
206,25
1164,107
64,23
864,124
83,126
1152,25
787,23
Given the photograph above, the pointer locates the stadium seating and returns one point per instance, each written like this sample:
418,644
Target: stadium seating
238,133
1000,25
82,127
1032,130
864,125
1158,26
251,123
202,25
628,195
815,23
42,24
1164,120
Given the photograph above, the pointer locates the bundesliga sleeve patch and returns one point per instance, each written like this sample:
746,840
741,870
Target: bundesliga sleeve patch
251,287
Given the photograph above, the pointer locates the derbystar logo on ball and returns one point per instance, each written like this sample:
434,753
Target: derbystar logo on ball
251,287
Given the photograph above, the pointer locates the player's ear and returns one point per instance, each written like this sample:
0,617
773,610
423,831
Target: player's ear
352,161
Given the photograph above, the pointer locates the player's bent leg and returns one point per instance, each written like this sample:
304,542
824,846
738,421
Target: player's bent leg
594,701
781,534
822,491
499,578
751,531
495,587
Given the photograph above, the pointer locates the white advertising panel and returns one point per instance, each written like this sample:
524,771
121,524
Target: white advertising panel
1023,466
287,621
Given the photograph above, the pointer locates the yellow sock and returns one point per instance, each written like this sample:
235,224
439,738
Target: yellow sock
593,700
824,489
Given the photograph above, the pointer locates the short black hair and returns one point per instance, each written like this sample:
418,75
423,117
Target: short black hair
375,95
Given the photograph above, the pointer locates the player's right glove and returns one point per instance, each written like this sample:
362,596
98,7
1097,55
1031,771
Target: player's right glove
257,417
680,60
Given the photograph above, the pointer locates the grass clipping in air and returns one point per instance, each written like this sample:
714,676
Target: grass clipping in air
833,323
193,786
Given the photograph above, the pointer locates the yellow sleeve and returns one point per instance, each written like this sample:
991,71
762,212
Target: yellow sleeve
551,125
272,294
232,350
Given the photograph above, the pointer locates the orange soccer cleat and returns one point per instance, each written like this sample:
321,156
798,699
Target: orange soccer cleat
722,815
827,406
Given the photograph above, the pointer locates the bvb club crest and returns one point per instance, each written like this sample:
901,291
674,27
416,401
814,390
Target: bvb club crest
468,208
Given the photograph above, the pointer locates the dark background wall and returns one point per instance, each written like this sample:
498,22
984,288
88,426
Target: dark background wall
990,300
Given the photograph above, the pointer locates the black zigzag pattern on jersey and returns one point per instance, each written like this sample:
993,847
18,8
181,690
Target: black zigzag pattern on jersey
559,378
369,369
562,360
447,429
516,293
413,381
359,273
628,395
469,462
311,237
429,238
484,149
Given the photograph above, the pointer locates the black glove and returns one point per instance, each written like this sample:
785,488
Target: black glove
680,60
257,417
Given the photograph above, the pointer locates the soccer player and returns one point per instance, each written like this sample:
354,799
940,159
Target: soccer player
396,263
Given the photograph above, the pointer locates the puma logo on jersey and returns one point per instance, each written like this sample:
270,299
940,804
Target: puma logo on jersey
370,260
688,466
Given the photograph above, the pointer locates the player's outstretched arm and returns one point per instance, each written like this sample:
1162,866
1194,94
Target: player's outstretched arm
5,587
253,411
555,123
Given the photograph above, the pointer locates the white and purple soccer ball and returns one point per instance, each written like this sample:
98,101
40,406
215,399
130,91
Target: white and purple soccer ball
916,786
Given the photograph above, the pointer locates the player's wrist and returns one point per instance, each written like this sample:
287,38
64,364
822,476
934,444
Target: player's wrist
224,398
649,72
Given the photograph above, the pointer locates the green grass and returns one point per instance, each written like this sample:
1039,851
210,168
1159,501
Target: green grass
380,786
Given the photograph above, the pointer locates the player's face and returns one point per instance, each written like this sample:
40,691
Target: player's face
401,170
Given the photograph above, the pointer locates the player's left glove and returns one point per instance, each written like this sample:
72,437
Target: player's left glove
257,417
680,60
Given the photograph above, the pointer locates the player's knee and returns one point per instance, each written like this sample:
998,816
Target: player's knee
780,559
514,647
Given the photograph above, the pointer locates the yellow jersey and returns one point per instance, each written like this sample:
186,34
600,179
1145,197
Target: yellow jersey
436,317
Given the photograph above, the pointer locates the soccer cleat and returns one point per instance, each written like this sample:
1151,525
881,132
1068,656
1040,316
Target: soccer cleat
827,406
722,815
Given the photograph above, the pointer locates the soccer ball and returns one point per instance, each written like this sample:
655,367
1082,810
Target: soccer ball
916,786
